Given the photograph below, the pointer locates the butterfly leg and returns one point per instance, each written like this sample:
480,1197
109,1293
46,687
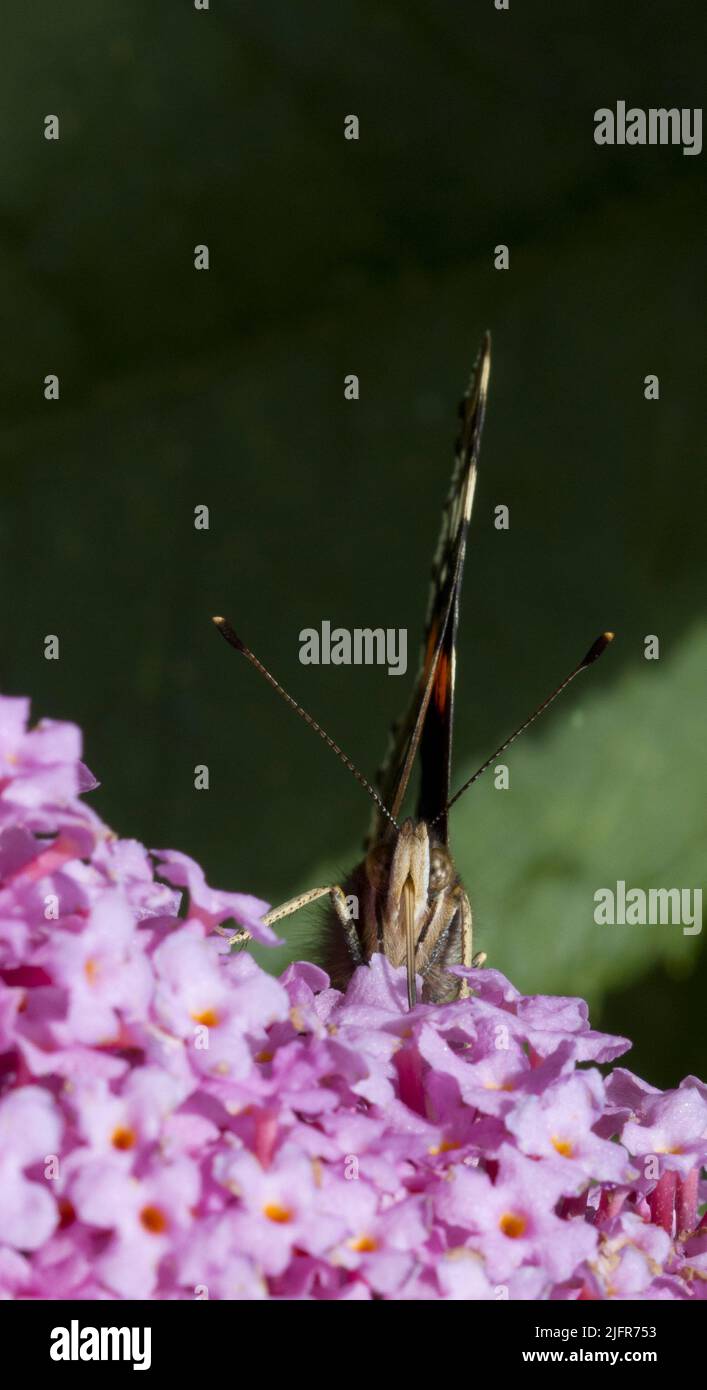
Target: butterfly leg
286,909
466,940
238,938
338,899
466,934
275,914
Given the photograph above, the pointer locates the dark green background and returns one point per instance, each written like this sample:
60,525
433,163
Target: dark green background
226,388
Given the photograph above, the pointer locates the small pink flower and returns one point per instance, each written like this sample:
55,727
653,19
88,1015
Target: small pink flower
672,1126
278,1209
30,1133
103,970
210,906
141,1216
512,1221
560,1123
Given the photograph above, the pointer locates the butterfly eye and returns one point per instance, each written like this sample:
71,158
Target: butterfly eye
378,865
441,871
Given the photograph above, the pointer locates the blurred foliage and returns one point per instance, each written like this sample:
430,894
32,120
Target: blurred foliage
226,388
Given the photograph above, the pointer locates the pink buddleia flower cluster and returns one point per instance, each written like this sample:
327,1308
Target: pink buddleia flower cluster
175,1123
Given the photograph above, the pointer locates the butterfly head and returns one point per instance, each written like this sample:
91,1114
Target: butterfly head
411,877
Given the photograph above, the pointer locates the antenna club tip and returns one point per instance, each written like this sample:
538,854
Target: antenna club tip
228,632
598,647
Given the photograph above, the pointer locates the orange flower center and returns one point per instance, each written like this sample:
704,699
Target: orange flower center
363,1244
154,1220
123,1138
208,1017
562,1146
277,1213
512,1224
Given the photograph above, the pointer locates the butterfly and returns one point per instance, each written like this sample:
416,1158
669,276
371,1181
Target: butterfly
405,898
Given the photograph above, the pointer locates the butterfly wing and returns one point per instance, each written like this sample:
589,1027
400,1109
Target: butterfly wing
427,723
443,611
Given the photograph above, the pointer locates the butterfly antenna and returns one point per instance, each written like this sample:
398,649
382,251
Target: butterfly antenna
234,640
593,655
